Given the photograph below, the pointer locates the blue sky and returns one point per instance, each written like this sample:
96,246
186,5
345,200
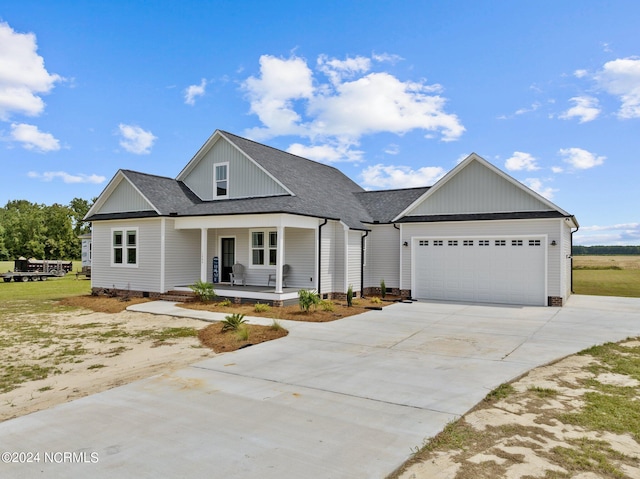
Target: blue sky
393,93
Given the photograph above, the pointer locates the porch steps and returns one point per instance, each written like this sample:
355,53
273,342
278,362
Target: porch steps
178,296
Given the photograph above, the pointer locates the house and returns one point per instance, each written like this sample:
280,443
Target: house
477,235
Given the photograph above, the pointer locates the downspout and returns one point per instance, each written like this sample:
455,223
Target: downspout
320,254
577,228
362,241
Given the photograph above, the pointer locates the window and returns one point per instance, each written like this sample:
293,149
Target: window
264,253
125,247
467,243
483,243
516,242
534,242
501,243
437,243
453,243
423,242
221,180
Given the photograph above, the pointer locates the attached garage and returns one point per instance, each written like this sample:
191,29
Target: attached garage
510,270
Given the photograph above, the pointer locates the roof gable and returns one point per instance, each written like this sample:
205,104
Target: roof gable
121,196
475,186
246,177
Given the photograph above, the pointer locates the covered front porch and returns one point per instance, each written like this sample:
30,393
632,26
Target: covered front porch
253,293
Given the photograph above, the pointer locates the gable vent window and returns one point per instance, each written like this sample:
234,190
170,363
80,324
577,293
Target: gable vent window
222,180
501,243
437,243
124,247
453,243
534,242
516,242
483,243
467,243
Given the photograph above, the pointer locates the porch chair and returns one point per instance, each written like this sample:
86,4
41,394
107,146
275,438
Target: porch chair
285,273
237,274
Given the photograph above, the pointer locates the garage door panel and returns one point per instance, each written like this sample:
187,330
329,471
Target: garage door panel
506,270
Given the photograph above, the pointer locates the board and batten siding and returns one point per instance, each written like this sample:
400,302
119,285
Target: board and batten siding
332,258
147,275
489,229
245,178
382,256
300,254
125,198
477,189
566,259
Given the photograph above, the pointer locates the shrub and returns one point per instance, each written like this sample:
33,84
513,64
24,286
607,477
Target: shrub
204,291
225,302
383,288
350,296
233,321
242,333
326,305
375,300
261,308
276,326
308,298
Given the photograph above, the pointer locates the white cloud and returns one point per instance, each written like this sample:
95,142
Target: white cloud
392,149
66,177
557,169
621,78
135,139
521,161
580,73
617,234
23,77
326,153
581,159
586,108
393,176
193,91
533,107
537,185
290,100
33,139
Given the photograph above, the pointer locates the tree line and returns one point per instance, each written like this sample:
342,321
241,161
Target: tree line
606,250
40,231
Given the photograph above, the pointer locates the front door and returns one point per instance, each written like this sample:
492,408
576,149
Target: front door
228,246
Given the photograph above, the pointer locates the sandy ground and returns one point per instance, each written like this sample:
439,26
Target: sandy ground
520,436
103,351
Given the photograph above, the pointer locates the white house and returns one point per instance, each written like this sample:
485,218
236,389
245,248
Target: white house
477,235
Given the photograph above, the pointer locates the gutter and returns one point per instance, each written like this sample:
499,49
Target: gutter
576,230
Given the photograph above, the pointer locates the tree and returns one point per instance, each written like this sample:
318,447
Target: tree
79,209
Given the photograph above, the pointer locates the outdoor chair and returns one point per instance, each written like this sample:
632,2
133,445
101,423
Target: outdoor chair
285,273
237,274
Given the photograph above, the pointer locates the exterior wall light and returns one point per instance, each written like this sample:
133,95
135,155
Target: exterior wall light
553,243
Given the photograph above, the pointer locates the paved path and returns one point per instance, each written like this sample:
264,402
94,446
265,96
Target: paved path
347,399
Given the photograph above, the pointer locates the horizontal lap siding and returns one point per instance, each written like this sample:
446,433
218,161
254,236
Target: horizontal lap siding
353,259
383,257
488,229
182,256
146,277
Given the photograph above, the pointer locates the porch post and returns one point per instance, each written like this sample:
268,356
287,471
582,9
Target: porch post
279,258
203,254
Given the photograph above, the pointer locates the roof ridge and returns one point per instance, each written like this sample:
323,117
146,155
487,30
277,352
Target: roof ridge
125,170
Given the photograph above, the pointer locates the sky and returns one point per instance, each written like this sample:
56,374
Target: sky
392,93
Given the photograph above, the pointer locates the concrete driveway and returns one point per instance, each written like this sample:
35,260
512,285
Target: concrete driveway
348,399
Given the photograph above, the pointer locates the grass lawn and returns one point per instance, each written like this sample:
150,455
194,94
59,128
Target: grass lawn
607,275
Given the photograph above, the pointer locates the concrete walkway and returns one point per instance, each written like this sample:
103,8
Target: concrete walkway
347,399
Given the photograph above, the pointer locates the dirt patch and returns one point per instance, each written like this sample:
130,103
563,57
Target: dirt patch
577,418
101,304
328,311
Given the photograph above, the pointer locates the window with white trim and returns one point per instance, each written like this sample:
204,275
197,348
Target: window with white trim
221,187
124,247
264,248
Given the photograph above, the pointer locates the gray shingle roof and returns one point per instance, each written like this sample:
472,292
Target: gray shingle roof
384,205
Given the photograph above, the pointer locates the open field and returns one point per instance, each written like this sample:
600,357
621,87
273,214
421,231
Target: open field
607,275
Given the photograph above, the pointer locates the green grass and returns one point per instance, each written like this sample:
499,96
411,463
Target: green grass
609,282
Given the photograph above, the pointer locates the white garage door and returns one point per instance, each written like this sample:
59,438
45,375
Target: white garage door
507,270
